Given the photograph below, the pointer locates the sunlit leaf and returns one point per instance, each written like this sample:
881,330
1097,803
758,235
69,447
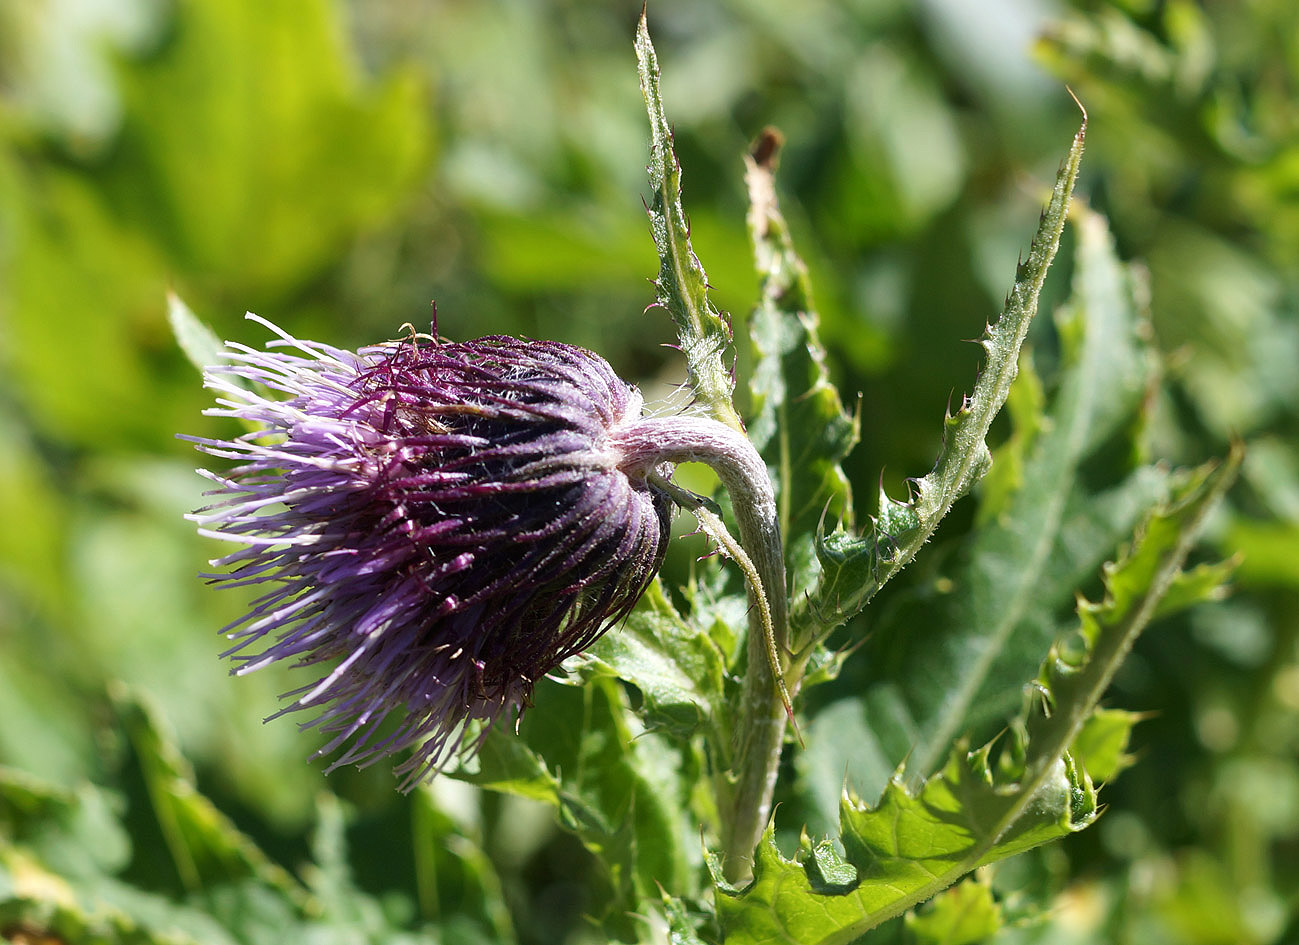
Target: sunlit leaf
912,843
682,284
958,650
856,566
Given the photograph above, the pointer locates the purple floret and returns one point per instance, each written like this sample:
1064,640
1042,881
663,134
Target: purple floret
434,525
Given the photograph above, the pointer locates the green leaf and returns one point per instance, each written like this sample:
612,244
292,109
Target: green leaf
50,920
678,669
1102,743
253,147
205,845
899,852
682,284
454,874
60,852
81,288
966,914
619,789
199,342
1269,551
953,655
681,927
74,833
913,843
856,566
798,424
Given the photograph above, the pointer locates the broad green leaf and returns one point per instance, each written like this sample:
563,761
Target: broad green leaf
81,291
854,567
953,655
682,284
914,842
799,423
899,852
456,877
76,833
59,853
1026,409
264,147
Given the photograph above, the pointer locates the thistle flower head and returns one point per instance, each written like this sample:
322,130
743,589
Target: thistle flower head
432,526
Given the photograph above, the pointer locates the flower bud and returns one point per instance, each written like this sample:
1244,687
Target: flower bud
432,526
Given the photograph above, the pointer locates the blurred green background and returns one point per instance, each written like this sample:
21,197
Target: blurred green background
337,166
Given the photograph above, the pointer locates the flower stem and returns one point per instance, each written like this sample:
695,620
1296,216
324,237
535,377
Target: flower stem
745,791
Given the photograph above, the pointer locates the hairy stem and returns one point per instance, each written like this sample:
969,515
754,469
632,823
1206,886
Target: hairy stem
763,711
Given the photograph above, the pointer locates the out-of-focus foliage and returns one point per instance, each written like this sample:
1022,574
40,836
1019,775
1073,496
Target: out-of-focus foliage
337,166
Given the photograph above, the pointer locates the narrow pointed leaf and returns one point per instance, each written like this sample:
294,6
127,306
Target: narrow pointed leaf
799,423
199,342
682,284
958,652
206,846
856,566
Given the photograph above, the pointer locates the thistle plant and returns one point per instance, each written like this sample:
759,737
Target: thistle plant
439,525
445,533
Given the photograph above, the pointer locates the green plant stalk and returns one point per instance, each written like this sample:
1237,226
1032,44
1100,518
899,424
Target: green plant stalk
764,708
748,777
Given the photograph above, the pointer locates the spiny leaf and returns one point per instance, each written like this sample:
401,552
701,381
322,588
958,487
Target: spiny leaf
681,928
1134,587
957,651
896,853
915,842
682,284
798,423
856,566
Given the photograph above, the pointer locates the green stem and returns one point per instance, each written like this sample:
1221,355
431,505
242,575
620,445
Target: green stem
745,804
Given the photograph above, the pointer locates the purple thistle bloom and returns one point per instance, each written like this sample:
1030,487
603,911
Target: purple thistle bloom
437,525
